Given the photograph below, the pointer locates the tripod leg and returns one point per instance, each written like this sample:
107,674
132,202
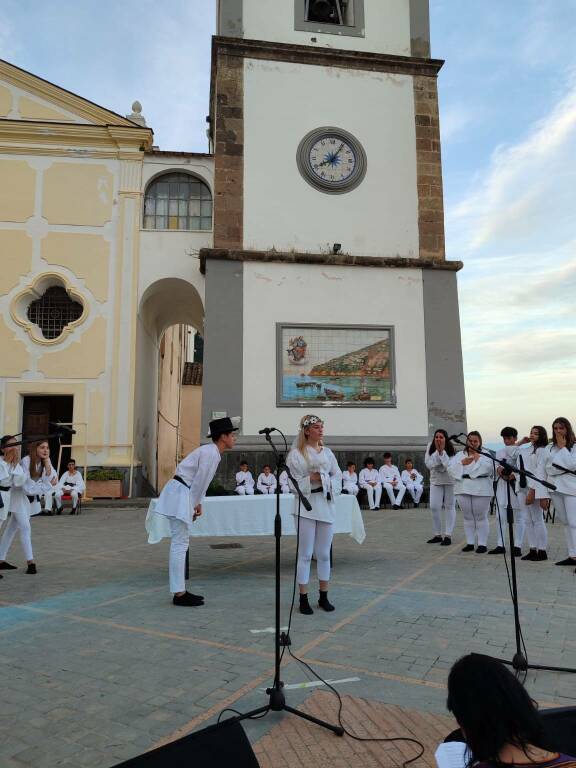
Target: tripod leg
338,730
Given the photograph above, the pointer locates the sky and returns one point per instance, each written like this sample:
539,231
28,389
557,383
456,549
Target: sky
508,122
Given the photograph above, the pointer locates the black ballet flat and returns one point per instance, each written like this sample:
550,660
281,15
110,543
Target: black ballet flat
7,567
187,599
468,548
497,551
446,541
435,540
481,550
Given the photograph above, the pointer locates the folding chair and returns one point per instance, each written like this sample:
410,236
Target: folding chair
68,497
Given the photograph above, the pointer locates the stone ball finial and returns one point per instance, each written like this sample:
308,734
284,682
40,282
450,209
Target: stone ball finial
136,115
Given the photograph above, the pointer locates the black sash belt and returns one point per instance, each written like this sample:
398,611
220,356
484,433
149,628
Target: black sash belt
179,480
32,499
4,488
320,490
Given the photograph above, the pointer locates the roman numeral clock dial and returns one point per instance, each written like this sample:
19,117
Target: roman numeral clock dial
331,160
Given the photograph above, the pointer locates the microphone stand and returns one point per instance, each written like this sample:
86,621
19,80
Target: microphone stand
277,697
519,661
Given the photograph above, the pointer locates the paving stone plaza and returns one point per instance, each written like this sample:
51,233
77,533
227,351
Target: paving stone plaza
97,665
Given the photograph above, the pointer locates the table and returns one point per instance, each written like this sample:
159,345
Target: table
254,516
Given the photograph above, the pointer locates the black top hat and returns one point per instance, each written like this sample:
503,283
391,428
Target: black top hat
221,427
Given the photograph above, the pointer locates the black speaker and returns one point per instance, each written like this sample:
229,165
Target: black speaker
223,745
560,726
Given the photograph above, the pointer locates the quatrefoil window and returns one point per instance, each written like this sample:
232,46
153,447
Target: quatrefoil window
49,309
53,311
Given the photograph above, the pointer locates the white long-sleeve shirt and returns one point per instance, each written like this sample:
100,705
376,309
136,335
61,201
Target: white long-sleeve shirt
412,476
564,481
474,479
12,478
73,482
368,476
244,480
284,482
437,464
266,483
330,485
349,480
388,473
40,485
532,460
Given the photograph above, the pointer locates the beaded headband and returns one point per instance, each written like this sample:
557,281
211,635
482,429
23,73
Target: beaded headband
311,420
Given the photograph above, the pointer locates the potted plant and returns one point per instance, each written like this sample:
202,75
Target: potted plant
104,484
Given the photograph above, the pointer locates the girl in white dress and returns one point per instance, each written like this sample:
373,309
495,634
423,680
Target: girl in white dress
533,498
474,474
316,470
39,478
558,457
437,460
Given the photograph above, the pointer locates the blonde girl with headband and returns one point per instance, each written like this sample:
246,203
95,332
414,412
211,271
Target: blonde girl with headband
316,470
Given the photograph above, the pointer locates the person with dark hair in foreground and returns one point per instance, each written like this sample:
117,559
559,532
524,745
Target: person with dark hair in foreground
498,719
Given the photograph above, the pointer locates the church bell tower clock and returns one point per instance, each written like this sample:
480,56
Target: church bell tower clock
327,286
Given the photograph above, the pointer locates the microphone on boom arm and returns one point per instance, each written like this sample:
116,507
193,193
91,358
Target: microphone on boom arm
455,437
62,430
266,430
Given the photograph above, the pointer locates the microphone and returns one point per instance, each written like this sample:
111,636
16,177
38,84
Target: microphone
63,428
266,430
455,437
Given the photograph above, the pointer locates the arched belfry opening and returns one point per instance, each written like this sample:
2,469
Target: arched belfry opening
169,376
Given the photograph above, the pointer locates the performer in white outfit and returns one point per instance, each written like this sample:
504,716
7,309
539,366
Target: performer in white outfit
284,482
413,481
392,482
266,480
350,480
437,459
533,497
244,481
71,483
38,480
562,453
370,480
508,453
12,478
316,471
180,501
474,475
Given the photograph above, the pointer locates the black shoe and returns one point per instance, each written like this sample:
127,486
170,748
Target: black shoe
1,577
446,541
435,540
395,506
481,549
567,561
497,551
59,511
532,555
517,552
468,548
305,606
542,555
7,567
31,568
324,603
73,511
187,599
416,504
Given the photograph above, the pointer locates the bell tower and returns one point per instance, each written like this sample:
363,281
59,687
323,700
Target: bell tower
329,225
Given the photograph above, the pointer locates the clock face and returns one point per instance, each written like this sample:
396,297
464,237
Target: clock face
331,160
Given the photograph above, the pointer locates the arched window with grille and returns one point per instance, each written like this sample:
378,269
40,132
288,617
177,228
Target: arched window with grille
178,201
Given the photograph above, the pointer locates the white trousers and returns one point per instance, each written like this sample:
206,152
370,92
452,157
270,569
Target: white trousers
178,547
314,538
374,495
399,490
415,490
19,521
442,501
566,511
244,490
519,517
534,524
475,510
352,488
52,496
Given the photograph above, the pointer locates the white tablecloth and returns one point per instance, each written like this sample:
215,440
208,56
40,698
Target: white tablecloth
254,516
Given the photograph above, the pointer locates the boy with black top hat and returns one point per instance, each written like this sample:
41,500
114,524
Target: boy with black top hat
180,502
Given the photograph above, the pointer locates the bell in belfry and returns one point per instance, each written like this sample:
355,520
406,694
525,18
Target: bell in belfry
325,11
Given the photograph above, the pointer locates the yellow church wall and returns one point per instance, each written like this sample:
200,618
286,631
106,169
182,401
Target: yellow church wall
16,190
77,193
15,257
96,414
5,101
83,359
87,256
34,110
15,359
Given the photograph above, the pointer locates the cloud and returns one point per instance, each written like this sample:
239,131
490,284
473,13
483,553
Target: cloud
455,118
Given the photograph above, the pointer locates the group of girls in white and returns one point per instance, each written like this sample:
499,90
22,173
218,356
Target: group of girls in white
22,483
467,478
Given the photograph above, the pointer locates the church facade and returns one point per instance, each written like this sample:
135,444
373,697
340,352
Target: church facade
308,248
